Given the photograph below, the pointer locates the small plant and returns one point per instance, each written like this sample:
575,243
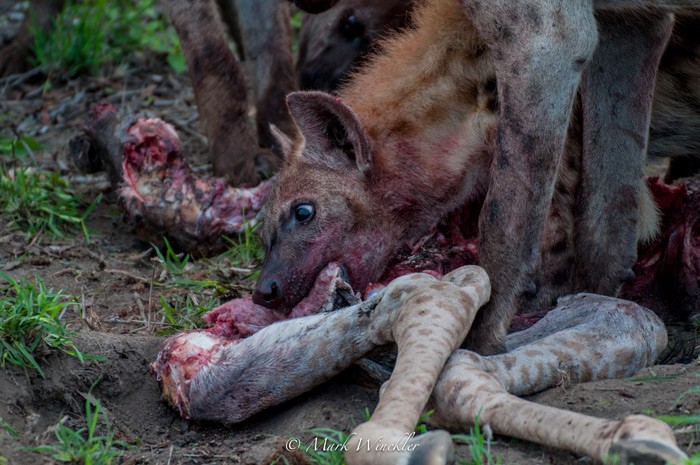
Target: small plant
184,314
479,446
199,285
327,447
248,250
30,316
8,427
694,459
88,35
422,427
38,202
687,422
85,445
18,146
175,264
692,422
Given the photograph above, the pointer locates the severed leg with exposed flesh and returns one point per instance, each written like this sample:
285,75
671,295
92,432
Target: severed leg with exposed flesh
159,193
216,374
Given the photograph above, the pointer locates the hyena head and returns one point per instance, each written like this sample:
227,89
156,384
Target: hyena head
333,43
322,208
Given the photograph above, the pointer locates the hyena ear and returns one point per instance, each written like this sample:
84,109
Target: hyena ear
285,142
332,133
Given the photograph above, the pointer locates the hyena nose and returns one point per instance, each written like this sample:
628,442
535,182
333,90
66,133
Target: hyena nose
268,293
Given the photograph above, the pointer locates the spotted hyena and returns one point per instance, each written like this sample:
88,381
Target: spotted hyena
479,100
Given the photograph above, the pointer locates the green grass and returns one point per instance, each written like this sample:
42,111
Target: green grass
85,445
30,318
327,447
175,264
688,422
248,250
245,253
678,421
17,146
479,447
184,313
694,459
89,35
7,427
38,202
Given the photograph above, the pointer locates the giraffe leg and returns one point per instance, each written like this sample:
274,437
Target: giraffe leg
431,324
587,337
208,377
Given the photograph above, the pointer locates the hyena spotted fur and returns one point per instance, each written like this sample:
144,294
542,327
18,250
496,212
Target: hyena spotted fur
417,132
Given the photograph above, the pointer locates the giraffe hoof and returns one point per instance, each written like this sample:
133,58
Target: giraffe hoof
647,452
432,448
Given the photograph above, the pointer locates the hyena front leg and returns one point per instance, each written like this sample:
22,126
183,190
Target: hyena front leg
617,92
587,337
539,48
220,91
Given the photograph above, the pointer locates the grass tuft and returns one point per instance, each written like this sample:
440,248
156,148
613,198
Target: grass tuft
30,318
85,445
185,313
175,264
327,447
479,444
87,36
40,202
8,428
248,250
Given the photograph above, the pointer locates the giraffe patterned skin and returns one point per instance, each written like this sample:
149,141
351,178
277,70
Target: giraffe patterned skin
587,337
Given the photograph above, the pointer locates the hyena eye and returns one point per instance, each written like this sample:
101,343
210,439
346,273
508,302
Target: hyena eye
352,28
303,213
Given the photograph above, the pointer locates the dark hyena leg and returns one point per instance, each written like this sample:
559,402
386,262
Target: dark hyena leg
266,38
219,88
616,92
539,51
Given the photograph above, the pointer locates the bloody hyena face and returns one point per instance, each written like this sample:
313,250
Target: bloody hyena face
321,209
332,43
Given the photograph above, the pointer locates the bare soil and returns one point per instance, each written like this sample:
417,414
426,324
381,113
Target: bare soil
119,287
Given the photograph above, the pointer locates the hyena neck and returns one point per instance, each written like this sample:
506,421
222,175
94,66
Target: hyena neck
428,104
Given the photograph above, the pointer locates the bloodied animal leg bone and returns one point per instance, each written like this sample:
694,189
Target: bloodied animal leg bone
585,338
160,194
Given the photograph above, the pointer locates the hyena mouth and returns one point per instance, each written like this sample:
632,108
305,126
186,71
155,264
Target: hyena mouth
239,318
185,353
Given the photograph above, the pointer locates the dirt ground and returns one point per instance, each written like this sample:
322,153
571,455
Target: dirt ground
118,284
